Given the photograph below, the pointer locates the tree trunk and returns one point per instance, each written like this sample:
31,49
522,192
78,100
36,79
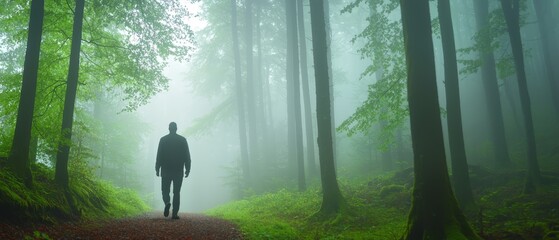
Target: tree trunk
332,200
331,78
61,171
19,153
434,213
306,91
511,9
263,130
251,100
292,46
245,166
543,13
489,78
459,164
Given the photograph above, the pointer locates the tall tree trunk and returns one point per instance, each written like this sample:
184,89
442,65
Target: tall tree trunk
289,68
293,47
434,213
511,10
459,164
331,77
19,153
263,130
543,13
251,100
306,91
332,199
245,166
61,171
489,78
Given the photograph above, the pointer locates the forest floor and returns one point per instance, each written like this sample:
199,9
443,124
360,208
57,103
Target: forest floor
147,226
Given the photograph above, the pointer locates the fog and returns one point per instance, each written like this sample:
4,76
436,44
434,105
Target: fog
197,89
118,143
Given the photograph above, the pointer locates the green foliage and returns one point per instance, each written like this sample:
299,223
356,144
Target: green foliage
490,40
286,215
86,198
387,97
38,235
378,208
125,47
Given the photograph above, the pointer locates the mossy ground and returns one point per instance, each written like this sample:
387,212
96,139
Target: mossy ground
378,209
86,199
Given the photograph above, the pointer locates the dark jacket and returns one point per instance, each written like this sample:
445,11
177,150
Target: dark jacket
172,155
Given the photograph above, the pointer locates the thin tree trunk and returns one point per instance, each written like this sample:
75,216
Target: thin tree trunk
61,172
459,164
251,100
331,78
489,78
293,47
245,166
290,68
332,200
19,153
543,13
434,213
306,91
264,136
511,10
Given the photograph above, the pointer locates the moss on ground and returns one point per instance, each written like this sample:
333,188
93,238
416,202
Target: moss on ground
86,199
378,209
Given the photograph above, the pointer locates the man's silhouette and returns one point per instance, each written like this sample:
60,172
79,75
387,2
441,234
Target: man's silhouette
173,157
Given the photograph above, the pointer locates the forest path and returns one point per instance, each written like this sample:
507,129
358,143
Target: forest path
147,226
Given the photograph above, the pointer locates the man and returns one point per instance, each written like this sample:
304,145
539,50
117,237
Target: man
172,157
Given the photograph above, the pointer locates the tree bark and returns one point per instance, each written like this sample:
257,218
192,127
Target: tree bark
434,213
459,164
61,171
489,78
511,9
245,166
332,200
19,153
309,130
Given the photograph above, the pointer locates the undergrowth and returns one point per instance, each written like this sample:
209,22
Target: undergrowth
378,209
86,199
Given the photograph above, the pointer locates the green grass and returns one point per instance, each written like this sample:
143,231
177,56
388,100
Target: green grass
287,215
378,209
86,199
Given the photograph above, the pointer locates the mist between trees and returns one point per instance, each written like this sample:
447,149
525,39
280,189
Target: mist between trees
276,95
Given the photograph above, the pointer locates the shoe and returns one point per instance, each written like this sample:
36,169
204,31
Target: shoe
166,211
175,216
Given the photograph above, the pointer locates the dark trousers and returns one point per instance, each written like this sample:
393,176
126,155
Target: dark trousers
166,189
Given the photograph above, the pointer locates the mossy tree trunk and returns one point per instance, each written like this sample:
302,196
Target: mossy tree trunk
19,153
61,171
332,199
511,9
434,213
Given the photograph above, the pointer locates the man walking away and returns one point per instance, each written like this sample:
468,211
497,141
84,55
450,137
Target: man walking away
173,156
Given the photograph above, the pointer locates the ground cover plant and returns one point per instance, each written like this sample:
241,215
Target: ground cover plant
379,208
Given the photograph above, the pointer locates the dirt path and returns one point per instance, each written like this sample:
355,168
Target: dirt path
148,226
